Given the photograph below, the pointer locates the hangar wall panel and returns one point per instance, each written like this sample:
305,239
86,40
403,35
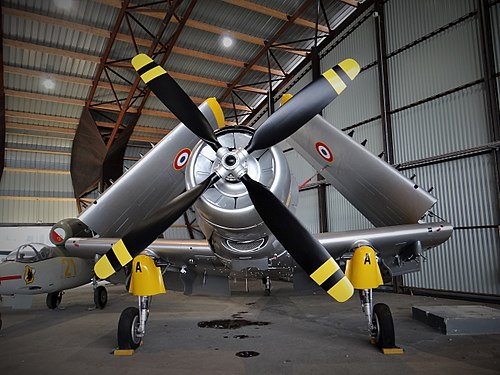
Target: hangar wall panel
431,67
450,123
36,185
470,265
36,211
420,18
495,25
307,210
465,190
342,215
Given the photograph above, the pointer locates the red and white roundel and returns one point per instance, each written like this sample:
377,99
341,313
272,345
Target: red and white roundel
181,158
324,151
58,235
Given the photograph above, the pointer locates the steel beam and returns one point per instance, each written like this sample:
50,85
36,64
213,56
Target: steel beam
2,103
490,86
266,47
384,96
322,206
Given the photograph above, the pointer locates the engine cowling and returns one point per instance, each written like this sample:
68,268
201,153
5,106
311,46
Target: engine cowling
227,216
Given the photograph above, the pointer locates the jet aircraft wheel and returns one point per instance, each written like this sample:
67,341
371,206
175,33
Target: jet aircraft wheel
127,329
54,299
100,297
383,326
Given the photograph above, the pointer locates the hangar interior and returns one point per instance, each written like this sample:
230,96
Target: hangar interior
426,101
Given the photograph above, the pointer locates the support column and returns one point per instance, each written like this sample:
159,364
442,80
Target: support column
490,86
385,103
322,208
2,103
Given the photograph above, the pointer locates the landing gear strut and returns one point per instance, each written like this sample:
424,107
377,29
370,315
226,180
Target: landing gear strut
132,324
54,299
266,280
380,323
100,294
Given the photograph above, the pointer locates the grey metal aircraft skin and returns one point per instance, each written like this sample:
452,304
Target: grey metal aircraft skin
237,239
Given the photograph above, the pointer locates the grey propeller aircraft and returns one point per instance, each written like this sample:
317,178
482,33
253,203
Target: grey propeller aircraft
238,181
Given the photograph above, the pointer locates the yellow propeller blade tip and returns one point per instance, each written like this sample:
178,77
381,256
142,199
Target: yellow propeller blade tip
351,67
141,60
342,291
285,98
103,268
217,111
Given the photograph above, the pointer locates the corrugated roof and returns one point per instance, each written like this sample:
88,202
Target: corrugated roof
65,40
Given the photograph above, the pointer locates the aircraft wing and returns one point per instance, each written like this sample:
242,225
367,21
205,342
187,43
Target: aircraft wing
174,251
403,242
382,194
155,179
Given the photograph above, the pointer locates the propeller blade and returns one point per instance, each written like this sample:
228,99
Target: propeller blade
301,245
304,106
175,99
140,237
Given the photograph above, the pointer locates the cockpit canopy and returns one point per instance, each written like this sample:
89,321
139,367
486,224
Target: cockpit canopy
31,253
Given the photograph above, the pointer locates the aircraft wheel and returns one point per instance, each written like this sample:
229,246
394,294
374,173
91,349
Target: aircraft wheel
54,299
127,329
383,326
100,297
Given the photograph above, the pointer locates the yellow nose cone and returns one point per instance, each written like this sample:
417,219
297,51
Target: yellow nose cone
362,270
146,279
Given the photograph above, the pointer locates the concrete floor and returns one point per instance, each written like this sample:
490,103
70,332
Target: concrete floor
305,335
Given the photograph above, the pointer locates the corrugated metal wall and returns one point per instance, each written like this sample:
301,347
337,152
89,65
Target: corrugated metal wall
438,108
36,184
450,123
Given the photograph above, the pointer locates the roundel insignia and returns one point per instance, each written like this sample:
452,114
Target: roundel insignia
181,158
58,235
324,151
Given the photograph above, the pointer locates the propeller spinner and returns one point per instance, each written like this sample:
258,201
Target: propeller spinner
301,245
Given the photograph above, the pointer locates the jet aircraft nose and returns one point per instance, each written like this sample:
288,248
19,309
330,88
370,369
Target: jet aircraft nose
10,278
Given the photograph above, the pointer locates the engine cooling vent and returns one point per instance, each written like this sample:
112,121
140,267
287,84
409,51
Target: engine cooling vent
245,245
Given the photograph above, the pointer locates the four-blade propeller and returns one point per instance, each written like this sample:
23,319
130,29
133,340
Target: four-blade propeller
301,245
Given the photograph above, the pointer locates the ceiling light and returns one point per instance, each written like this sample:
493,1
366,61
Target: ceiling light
227,41
49,84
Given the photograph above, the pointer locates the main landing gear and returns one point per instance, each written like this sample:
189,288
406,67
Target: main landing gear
364,273
132,325
380,323
146,281
54,299
266,281
100,292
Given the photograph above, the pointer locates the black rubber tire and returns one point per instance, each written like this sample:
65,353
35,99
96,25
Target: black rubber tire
53,300
129,320
0,321
383,326
100,297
